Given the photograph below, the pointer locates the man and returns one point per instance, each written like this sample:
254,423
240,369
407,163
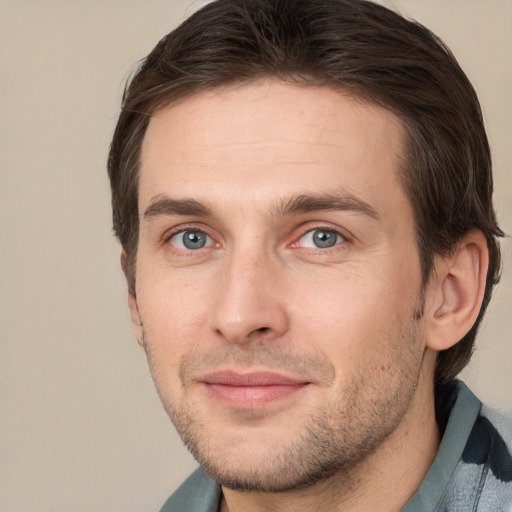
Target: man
302,191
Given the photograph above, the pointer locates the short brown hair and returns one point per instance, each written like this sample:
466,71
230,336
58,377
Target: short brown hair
355,44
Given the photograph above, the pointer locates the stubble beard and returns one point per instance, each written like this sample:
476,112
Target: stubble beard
335,439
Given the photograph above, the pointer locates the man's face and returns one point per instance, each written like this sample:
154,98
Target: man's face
278,281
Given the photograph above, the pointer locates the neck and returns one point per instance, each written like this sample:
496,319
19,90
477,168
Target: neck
388,477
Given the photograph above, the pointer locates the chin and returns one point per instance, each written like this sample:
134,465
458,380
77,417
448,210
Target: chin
259,459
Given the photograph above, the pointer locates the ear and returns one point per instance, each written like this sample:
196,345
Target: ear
132,305
457,288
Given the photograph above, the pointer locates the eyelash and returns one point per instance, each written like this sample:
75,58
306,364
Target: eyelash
295,244
343,238
190,229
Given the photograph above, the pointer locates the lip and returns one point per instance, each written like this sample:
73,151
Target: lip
250,390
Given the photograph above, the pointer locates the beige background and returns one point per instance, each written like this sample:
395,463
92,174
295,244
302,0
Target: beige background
81,427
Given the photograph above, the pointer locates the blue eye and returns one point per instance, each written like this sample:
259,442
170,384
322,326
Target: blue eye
320,239
190,240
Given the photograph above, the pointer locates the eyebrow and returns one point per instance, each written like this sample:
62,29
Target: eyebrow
343,201
169,206
300,204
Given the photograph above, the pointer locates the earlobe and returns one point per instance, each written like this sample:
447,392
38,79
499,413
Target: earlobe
458,287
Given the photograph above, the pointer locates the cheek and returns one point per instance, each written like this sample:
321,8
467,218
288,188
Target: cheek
173,314
171,333
355,319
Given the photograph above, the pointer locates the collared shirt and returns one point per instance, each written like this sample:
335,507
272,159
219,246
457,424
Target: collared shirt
472,470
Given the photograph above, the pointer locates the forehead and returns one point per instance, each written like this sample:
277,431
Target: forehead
266,138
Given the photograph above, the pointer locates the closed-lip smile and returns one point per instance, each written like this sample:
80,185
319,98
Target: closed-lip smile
251,390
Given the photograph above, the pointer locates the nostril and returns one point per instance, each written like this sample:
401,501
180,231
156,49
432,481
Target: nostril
262,329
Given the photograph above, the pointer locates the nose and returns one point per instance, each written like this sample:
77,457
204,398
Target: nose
250,304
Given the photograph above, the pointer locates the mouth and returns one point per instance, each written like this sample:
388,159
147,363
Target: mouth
250,390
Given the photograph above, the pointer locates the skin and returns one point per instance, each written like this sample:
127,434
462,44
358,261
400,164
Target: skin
346,329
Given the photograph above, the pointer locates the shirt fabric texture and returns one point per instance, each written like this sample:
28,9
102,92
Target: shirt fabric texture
472,470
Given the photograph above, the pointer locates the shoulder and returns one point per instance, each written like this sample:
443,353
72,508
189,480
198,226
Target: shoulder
497,482
500,421
498,460
490,444
487,461
482,479
198,493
